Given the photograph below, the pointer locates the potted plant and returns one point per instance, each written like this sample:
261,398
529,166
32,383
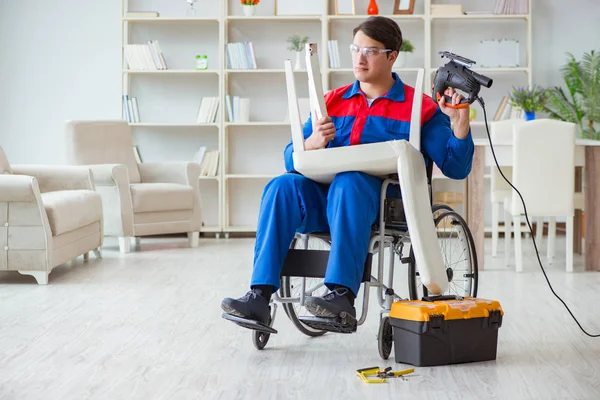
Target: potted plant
529,100
581,103
297,43
249,6
405,47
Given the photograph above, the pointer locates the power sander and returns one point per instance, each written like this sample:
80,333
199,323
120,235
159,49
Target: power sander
457,74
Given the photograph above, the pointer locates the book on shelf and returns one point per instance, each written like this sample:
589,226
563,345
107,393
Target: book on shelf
208,160
506,111
512,7
141,14
240,55
131,112
208,110
446,9
334,54
145,57
238,108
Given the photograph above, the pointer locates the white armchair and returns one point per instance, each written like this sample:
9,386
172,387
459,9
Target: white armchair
48,216
138,199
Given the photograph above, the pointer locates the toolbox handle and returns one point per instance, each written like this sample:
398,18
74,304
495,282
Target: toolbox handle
438,298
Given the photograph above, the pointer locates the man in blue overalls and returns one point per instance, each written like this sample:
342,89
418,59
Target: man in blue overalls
376,107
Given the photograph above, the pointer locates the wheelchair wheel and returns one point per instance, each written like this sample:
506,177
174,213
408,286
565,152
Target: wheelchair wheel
438,209
458,253
385,338
291,286
260,339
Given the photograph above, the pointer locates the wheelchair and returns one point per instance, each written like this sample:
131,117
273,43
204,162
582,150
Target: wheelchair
306,261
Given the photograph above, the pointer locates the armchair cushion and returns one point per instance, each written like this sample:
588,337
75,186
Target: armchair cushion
4,165
150,197
71,209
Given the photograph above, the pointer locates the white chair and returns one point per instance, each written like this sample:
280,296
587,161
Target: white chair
500,191
543,172
49,214
138,199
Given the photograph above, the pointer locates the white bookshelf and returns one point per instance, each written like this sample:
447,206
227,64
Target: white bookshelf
251,153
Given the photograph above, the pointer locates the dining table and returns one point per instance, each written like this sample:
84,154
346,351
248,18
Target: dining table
587,179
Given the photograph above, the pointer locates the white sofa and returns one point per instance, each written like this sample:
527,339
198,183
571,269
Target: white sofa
48,216
138,199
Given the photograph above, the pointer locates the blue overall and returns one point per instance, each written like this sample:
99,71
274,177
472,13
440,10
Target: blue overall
349,206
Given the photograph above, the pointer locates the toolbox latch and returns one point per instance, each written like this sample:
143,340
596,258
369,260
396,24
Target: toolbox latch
436,323
494,320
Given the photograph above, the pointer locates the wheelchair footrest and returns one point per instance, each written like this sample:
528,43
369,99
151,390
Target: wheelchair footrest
249,323
345,323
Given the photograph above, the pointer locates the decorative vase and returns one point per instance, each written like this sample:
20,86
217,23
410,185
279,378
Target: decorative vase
298,60
529,115
373,9
248,10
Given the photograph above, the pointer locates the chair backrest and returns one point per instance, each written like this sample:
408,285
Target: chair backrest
544,167
501,132
4,164
318,108
102,142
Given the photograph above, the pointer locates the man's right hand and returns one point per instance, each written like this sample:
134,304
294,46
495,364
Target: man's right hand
323,133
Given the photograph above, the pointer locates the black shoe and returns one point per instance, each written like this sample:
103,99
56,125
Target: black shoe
332,304
251,306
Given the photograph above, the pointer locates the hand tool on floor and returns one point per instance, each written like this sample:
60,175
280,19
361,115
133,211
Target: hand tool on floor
382,375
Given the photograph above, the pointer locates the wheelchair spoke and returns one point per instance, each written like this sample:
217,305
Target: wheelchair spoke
457,254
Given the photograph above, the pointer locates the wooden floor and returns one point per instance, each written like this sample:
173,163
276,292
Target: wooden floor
147,325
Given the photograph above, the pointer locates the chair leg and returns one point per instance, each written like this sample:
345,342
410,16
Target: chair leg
539,233
40,276
518,244
507,229
495,218
570,249
551,239
97,253
194,239
125,244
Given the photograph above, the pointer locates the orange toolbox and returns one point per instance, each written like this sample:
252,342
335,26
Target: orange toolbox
441,330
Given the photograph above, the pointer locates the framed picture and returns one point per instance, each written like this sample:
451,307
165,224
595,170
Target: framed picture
345,7
404,6
294,7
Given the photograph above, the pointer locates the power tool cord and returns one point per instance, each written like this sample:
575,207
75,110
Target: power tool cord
527,218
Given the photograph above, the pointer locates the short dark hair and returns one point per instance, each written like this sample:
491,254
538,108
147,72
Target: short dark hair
381,29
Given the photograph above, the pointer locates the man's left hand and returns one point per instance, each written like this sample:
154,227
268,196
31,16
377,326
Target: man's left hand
458,116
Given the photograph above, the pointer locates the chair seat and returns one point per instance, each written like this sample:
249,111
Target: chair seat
71,209
152,197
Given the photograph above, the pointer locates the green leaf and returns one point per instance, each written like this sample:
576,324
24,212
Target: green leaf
590,77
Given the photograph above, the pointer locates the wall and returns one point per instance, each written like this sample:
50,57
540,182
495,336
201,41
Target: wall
552,39
60,60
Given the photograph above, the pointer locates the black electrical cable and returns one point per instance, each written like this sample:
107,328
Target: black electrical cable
527,218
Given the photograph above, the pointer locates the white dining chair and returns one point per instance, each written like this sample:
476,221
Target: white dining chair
543,172
500,191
